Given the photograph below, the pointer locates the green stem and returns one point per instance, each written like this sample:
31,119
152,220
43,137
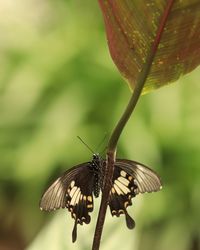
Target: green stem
112,144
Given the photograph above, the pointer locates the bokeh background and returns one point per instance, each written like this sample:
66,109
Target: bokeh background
57,81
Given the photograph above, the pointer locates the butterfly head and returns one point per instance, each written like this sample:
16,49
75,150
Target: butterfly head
96,160
96,156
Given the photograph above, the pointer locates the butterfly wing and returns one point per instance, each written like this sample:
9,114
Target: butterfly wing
72,190
129,179
145,179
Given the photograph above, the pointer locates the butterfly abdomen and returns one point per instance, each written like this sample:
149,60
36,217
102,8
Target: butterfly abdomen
96,168
97,185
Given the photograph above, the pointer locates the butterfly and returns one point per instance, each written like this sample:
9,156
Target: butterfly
75,188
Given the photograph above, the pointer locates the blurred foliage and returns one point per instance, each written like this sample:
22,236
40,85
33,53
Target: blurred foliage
133,27
57,81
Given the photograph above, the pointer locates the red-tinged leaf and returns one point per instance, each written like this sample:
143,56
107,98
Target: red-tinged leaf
132,27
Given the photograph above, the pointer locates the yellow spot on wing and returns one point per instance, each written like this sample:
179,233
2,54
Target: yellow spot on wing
123,180
130,178
78,197
89,206
123,173
121,211
72,191
113,212
89,198
126,203
117,189
72,184
73,200
123,188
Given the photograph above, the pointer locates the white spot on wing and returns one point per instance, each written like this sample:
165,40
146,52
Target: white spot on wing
89,198
72,184
74,197
117,189
123,180
123,188
77,197
72,191
123,173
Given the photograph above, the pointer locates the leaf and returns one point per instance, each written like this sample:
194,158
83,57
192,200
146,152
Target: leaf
131,27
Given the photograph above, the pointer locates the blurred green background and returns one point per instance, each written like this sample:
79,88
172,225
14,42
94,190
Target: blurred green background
57,81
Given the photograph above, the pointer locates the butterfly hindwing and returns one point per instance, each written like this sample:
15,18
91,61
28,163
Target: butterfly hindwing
121,193
129,179
79,199
54,197
73,190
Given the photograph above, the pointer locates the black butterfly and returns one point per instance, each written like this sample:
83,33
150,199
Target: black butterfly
74,189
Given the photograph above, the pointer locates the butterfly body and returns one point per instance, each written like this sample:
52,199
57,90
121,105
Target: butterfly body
74,189
96,166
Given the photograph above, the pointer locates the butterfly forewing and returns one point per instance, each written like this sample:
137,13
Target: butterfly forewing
54,197
72,190
145,179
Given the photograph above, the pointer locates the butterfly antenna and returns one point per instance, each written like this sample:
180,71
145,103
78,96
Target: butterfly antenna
85,144
101,142
103,151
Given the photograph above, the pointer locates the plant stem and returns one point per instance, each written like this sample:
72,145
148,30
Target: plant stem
112,144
